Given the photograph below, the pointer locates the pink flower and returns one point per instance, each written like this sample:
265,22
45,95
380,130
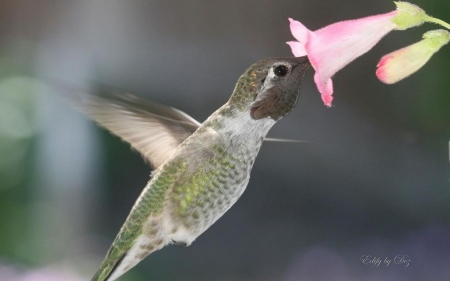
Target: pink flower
332,47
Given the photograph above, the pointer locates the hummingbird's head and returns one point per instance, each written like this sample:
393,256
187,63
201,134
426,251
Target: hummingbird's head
270,88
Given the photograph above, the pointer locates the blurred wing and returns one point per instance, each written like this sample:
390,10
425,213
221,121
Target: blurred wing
153,130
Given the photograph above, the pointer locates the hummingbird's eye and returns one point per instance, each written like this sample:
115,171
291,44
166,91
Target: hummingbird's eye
280,71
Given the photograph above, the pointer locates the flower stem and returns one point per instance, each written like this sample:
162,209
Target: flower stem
437,21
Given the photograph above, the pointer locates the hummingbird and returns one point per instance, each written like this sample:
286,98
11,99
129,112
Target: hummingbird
200,170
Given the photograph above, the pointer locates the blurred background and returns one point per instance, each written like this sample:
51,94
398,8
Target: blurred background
373,179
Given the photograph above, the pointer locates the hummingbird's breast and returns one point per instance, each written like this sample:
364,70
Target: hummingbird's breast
217,159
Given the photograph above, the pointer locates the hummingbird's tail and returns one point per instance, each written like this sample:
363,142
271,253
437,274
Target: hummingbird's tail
122,256
107,268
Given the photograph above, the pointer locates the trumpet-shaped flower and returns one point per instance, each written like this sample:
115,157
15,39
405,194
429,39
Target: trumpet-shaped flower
400,64
332,47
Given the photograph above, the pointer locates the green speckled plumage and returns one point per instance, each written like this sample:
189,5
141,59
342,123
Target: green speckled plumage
151,202
207,173
193,188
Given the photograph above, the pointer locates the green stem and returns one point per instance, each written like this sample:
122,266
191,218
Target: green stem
437,21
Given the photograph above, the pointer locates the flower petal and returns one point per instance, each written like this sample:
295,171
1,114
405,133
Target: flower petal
325,88
299,31
331,48
336,45
297,48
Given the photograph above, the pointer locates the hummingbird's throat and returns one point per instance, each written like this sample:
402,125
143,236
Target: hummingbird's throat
272,104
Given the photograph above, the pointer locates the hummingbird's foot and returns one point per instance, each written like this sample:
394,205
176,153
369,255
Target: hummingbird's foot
179,243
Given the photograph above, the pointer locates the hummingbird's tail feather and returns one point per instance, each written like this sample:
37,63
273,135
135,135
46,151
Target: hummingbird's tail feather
107,268
118,261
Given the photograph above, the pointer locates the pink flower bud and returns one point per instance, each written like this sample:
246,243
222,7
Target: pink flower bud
402,63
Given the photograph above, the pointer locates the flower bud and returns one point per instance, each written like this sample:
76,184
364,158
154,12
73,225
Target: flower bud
402,63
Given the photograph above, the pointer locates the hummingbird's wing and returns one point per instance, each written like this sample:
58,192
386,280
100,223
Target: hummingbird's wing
152,129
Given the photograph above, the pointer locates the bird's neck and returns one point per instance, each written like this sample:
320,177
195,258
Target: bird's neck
235,124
